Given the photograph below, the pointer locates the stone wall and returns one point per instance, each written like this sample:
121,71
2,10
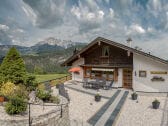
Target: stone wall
52,118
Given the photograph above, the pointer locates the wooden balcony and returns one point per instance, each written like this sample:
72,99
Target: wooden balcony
110,61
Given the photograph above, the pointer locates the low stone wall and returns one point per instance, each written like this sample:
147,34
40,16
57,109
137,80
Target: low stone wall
50,118
53,118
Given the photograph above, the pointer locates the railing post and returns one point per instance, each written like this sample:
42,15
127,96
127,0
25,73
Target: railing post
29,115
61,112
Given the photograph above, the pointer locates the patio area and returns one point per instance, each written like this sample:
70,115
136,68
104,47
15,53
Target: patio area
115,108
141,113
85,111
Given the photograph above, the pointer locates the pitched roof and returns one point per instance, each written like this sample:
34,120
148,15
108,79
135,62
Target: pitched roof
110,42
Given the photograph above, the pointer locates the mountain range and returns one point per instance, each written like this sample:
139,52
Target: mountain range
46,55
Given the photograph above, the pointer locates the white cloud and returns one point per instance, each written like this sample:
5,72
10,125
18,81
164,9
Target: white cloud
90,16
88,19
100,14
30,13
19,30
4,27
111,12
150,29
135,28
46,14
156,4
76,12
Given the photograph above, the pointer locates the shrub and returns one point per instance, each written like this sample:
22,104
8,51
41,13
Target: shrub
30,82
16,105
41,86
8,89
156,100
54,99
43,95
21,91
97,95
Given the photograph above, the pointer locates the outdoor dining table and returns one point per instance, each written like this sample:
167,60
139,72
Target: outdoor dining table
94,84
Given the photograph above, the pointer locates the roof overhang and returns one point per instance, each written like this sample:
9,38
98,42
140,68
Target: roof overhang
99,40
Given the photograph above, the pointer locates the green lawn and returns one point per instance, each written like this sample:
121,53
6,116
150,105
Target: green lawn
45,77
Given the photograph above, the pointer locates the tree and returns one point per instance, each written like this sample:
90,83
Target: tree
12,68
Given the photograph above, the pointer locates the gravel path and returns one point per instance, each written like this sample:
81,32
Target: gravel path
142,113
82,106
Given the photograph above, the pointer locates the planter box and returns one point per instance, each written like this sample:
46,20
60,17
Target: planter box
97,98
134,96
155,105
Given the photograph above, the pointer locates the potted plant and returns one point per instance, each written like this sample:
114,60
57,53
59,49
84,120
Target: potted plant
97,97
155,104
1,98
134,96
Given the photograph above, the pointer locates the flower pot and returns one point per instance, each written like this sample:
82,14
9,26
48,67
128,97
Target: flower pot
1,99
134,96
155,105
97,98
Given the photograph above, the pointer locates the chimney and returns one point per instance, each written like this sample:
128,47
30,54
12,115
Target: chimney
129,42
75,51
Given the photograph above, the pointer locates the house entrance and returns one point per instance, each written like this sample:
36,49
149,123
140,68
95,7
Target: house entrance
127,78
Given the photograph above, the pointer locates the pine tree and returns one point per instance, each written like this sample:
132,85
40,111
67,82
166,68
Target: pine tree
12,68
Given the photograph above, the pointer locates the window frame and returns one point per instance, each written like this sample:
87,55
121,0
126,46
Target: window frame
104,48
141,72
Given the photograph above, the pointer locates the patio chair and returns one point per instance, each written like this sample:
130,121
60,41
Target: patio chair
85,83
108,85
102,82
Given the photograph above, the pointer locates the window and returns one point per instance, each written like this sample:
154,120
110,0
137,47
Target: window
105,51
87,72
142,73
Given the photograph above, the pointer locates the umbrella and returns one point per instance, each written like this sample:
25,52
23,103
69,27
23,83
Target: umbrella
74,69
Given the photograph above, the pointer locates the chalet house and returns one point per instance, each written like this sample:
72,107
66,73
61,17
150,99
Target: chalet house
128,67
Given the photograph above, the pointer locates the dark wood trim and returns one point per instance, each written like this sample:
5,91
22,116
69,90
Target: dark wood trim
127,82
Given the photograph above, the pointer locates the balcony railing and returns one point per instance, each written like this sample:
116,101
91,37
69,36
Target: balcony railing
110,61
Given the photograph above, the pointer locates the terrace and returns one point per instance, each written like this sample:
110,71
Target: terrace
115,108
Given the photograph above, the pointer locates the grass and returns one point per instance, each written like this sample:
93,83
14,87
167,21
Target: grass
46,77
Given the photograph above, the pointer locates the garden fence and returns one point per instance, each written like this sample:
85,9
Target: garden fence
56,81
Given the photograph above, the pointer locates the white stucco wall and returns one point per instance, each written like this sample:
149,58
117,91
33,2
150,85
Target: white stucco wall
145,84
78,77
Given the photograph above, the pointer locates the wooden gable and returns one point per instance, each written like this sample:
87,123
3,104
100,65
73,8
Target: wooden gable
113,57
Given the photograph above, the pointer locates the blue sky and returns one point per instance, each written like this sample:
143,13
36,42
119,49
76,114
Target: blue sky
25,22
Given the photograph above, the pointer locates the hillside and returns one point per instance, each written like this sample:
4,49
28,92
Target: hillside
44,57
